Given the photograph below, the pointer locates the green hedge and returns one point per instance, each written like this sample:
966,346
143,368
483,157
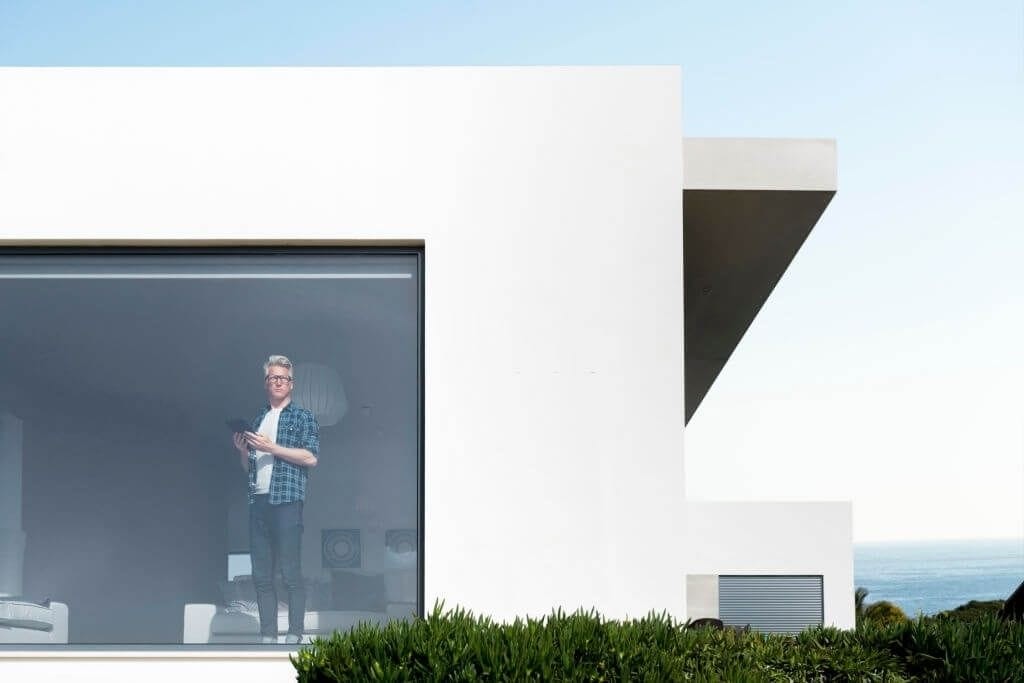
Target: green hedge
973,610
456,646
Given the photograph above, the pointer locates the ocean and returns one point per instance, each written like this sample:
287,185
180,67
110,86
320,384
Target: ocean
931,576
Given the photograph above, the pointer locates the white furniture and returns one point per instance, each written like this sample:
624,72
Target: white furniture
28,623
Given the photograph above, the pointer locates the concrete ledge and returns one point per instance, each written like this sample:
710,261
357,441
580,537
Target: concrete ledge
159,667
759,164
51,654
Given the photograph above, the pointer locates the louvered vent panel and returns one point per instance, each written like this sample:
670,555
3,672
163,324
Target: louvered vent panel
773,604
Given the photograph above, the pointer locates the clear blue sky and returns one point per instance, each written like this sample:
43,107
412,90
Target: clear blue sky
886,367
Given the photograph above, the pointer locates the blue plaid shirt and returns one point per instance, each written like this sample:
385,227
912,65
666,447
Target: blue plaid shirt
296,428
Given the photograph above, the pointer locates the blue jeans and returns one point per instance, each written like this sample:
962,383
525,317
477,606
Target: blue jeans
275,543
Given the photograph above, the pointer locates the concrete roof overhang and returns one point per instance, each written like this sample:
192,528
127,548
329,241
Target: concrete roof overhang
748,205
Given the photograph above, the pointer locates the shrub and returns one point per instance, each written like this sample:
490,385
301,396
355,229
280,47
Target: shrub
884,612
973,610
456,646
948,650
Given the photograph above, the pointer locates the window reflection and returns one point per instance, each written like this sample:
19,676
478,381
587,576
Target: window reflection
122,494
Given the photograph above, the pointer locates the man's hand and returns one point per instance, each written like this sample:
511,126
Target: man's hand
260,443
296,456
243,450
240,443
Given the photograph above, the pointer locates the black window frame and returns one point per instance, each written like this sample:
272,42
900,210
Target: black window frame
417,251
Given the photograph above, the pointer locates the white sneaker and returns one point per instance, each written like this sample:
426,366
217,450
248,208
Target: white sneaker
268,640
292,639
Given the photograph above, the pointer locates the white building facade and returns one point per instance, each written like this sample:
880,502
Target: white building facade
547,206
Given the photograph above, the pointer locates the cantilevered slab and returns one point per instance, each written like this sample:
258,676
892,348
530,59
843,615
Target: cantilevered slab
748,205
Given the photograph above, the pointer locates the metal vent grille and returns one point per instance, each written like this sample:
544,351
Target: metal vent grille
772,604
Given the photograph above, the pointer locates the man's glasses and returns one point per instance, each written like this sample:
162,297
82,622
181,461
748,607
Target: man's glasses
278,379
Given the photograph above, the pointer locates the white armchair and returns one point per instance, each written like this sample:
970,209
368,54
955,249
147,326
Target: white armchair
29,623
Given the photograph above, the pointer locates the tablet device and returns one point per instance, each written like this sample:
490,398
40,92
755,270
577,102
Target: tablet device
238,425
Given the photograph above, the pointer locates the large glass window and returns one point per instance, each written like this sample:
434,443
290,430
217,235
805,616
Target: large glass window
207,447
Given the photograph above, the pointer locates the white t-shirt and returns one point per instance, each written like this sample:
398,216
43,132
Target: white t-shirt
265,461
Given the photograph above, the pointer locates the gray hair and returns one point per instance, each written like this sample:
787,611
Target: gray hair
280,361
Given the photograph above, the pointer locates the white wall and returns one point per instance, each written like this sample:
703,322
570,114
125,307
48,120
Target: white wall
549,204
777,538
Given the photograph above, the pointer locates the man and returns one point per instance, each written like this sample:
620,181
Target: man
277,454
